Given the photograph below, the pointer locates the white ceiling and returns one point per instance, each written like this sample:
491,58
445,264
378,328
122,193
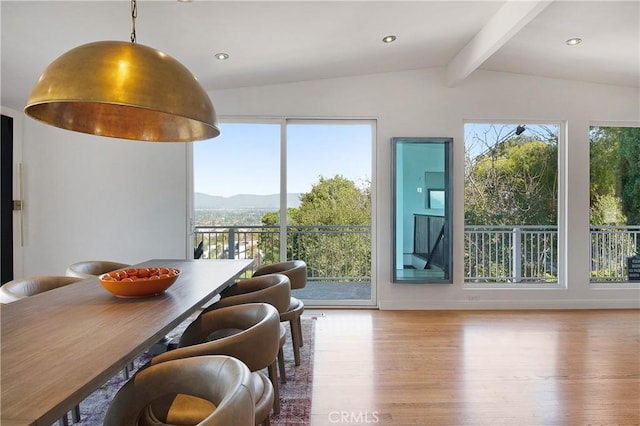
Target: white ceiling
287,41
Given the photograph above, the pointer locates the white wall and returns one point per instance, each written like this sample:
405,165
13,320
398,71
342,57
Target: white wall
90,197
417,103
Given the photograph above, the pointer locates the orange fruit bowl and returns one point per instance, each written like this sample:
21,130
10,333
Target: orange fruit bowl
139,282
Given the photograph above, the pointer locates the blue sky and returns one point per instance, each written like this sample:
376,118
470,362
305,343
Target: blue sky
245,158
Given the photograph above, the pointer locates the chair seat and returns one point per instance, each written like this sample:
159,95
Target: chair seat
179,410
222,333
296,307
212,390
185,410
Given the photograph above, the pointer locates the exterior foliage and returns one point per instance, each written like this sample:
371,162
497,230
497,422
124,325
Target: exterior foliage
606,208
629,173
329,231
334,201
615,175
513,183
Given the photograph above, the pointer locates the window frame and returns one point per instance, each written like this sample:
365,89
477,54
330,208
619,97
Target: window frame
562,215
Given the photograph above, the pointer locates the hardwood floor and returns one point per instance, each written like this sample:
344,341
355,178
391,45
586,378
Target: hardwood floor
579,367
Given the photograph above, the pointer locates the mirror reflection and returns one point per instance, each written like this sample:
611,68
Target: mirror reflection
421,210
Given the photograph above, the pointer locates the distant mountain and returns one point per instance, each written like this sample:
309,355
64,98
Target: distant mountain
243,201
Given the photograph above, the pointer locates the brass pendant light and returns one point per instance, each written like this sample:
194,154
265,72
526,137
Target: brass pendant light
123,90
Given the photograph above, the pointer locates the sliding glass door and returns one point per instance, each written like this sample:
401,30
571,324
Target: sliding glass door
291,189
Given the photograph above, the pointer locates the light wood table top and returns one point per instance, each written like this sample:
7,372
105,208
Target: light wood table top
59,346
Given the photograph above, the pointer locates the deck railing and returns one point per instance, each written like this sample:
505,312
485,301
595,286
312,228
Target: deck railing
610,247
529,254
498,254
517,254
340,253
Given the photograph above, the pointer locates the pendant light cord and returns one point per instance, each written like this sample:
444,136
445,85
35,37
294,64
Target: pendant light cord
134,15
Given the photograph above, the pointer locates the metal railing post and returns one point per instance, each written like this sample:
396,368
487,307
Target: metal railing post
232,244
516,259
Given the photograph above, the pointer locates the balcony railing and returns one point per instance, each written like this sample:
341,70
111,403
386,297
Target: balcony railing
333,253
610,247
517,254
498,254
522,254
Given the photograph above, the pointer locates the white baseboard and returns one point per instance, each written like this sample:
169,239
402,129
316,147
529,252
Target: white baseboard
509,304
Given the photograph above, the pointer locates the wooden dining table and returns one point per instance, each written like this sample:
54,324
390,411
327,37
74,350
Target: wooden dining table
59,346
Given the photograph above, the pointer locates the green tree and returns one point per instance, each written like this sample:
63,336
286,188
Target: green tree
324,239
319,230
269,239
334,201
514,183
629,172
271,218
606,207
603,150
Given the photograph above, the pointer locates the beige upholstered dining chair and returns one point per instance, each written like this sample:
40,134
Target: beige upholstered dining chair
93,268
24,287
274,289
219,387
296,270
249,332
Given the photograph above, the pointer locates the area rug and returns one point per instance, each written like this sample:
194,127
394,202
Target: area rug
295,395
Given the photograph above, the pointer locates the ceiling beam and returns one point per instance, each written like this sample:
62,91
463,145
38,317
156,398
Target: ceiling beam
510,18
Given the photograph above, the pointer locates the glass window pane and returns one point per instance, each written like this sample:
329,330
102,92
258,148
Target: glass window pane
238,179
326,150
615,204
511,203
236,192
329,210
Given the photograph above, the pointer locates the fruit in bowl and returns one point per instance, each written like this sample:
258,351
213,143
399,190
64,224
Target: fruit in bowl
139,282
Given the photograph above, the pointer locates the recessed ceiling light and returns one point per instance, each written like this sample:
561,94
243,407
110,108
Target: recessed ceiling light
222,56
389,39
185,1
573,41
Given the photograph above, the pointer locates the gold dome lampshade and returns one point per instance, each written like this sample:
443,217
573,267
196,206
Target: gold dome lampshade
123,90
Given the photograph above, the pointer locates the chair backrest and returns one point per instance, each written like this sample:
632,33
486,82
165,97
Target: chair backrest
25,287
274,289
249,332
223,381
93,268
296,270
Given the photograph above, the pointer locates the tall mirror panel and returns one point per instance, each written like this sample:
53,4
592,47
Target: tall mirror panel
421,210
